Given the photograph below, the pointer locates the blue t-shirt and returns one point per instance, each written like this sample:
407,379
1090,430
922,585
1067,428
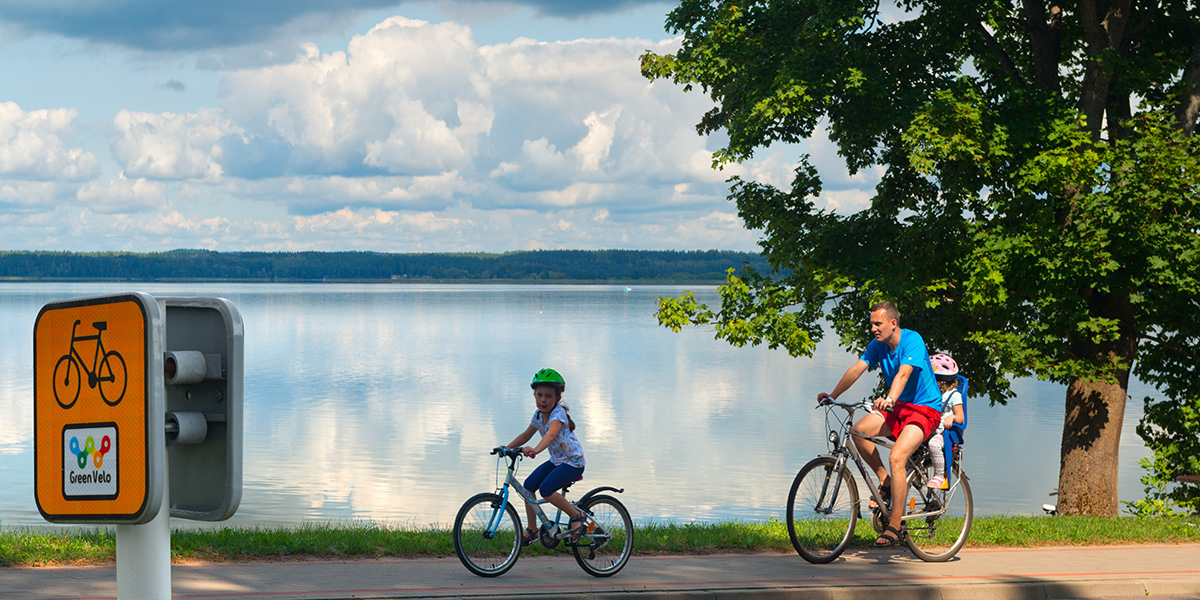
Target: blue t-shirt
921,387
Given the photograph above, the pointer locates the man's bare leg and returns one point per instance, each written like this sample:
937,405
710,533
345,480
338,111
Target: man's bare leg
873,425
911,438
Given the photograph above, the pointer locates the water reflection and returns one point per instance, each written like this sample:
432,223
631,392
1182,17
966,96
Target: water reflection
381,402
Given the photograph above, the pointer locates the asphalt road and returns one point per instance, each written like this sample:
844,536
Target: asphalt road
1154,571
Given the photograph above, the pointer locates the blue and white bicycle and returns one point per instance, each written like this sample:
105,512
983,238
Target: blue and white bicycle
487,531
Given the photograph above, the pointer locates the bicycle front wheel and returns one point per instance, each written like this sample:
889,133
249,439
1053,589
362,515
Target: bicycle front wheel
822,510
605,549
938,539
487,535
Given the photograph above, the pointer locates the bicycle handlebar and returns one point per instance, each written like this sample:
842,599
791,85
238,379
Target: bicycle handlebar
506,451
829,401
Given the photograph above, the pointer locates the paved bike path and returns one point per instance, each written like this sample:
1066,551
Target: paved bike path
1155,571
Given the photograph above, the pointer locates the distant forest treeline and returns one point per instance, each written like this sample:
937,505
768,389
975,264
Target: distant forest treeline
542,265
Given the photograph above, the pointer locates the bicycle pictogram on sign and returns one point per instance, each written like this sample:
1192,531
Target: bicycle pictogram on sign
107,370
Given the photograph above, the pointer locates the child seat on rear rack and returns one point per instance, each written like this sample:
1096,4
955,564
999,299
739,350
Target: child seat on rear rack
953,436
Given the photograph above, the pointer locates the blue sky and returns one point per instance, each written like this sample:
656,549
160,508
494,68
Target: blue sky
375,125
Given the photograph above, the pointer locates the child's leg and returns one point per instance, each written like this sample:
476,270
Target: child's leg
936,444
560,477
935,452
532,483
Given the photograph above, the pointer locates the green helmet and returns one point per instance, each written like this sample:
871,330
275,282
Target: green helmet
548,377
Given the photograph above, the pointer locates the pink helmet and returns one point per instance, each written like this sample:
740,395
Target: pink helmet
943,366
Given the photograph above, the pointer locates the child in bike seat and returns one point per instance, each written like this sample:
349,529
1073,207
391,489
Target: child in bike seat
566,455
945,371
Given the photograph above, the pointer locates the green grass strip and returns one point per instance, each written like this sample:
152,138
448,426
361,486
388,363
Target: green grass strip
23,548
366,540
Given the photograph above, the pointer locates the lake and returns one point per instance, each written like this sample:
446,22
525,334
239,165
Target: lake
380,402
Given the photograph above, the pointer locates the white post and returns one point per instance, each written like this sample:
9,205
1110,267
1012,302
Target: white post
144,554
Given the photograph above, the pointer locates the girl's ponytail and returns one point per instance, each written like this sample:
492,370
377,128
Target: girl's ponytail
570,421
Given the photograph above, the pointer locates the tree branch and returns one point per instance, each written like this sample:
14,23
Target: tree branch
1102,36
1188,110
1169,345
1046,39
1007,66
1150,14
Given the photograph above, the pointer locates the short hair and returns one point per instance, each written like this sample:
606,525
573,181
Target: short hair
888,309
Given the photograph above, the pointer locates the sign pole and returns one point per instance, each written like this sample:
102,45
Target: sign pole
144,551
144,556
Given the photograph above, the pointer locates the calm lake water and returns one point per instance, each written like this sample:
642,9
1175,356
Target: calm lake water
380,402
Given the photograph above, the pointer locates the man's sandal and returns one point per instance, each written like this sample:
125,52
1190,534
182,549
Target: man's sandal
530,536
890,537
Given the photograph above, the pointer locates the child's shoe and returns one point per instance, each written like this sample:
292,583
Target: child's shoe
938,483
530,536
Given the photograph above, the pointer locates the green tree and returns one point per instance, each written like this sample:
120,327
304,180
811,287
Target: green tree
1038,212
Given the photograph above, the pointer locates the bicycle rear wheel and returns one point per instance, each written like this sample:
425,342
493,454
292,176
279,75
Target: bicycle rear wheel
486,537
67,381
112,378
822,510
938,539
606,548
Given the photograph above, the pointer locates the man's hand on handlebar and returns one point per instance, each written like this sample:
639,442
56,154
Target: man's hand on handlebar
823,399
882,404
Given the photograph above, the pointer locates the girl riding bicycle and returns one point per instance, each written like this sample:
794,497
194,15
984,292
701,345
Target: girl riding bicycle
566,455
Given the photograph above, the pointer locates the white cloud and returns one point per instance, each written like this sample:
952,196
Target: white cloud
404,97
412,137
30,146
846,201
122,196
412,98
595,146
719,229
320,194
170,146
776,169
28,196
379,221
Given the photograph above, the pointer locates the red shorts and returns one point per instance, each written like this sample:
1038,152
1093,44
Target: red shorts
903,413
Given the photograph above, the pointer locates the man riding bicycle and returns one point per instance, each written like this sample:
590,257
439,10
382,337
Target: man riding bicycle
908,414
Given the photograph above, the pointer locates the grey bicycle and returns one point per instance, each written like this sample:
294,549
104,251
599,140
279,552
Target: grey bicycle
823,505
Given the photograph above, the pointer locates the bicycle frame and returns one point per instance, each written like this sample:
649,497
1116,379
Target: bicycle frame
552,527
93,373
847,448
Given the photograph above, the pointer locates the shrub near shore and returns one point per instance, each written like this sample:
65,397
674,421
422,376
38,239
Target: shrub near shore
22,548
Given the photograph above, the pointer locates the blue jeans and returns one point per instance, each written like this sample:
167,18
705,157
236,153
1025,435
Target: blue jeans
549,478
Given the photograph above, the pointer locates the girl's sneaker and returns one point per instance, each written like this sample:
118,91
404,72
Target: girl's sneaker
938,483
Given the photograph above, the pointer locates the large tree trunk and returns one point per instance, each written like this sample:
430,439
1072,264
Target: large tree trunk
1091,440
1087,478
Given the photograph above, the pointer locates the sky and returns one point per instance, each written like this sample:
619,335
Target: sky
374,125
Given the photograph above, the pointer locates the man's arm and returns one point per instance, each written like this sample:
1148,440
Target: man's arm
848,378
898,383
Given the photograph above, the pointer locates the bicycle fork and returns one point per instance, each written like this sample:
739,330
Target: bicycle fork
836,474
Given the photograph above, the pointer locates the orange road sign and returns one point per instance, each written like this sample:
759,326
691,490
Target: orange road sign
98,415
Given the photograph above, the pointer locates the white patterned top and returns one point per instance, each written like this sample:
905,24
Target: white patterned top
564,448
